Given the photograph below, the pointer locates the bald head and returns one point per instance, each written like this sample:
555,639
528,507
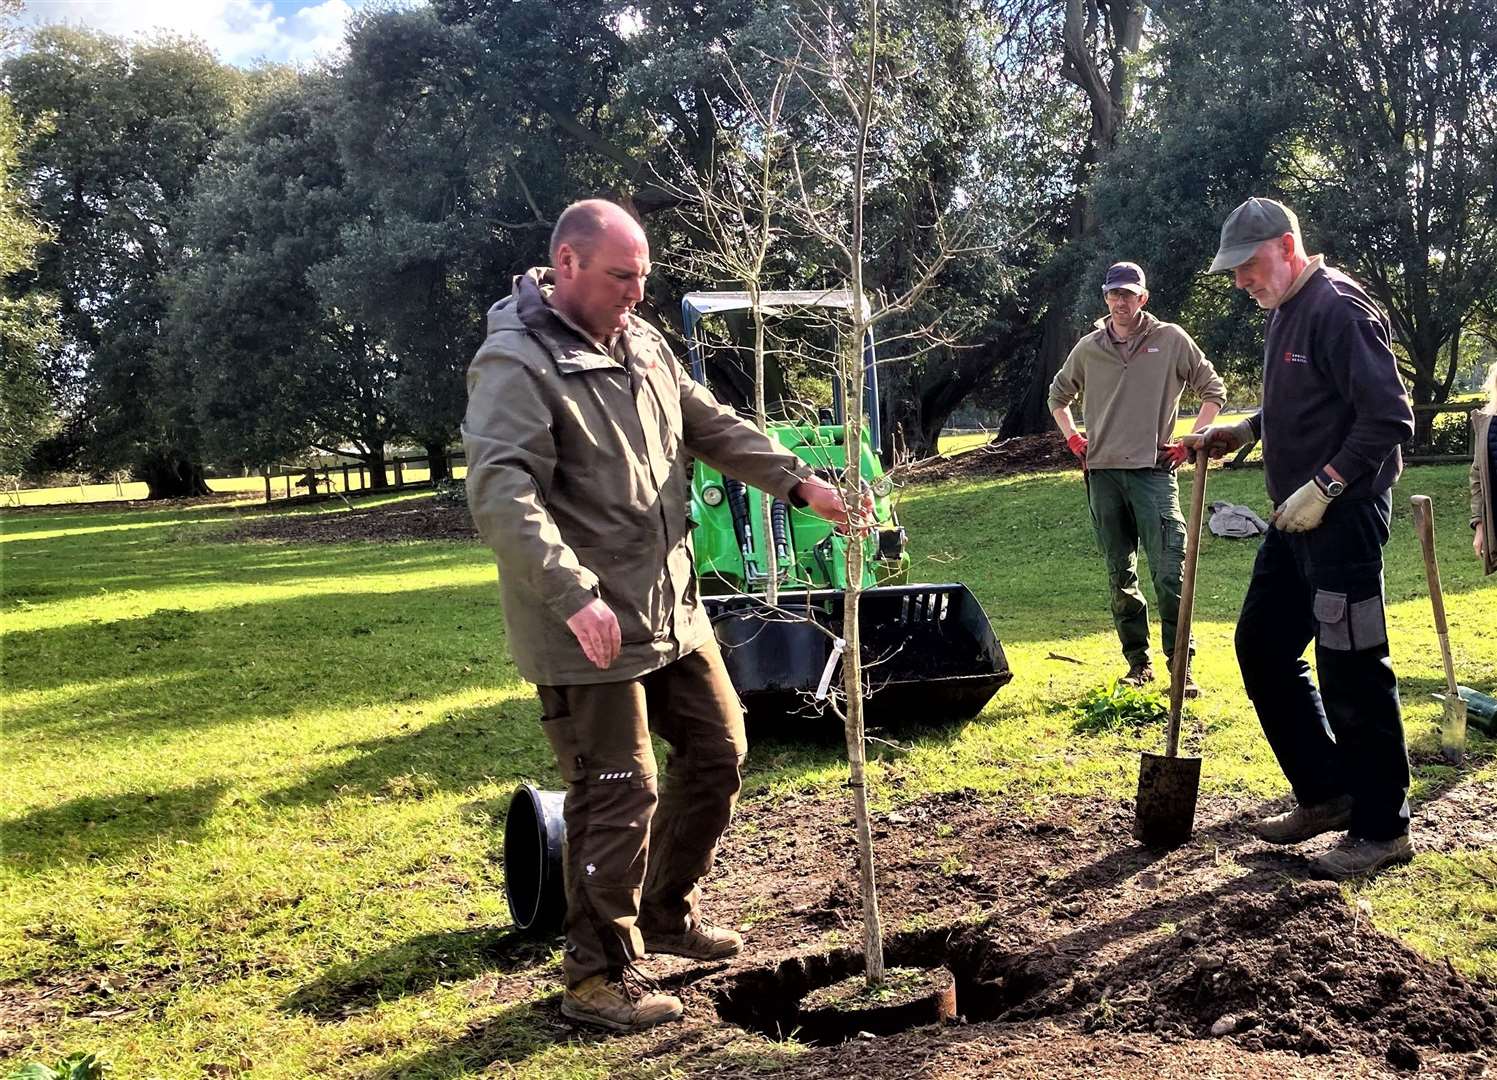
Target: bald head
583,224
600,259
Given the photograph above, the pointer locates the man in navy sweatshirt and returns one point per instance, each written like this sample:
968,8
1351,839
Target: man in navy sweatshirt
1334,414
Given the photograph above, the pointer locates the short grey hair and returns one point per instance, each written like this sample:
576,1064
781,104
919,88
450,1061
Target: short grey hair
580,226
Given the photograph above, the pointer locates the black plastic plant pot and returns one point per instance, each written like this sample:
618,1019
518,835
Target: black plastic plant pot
534,832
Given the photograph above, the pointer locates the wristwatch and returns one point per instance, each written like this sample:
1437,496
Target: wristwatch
1328,484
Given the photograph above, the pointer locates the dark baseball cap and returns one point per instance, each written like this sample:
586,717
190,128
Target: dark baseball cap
1125,275
1248,226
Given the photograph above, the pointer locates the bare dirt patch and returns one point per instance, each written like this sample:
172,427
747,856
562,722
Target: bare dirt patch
1077,952
1000,457
413,519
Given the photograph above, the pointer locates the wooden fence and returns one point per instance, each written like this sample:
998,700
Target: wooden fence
302,483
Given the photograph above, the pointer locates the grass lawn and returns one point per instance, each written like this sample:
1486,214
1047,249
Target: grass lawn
236,772
245,487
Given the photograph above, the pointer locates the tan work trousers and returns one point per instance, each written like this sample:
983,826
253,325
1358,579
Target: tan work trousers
634,856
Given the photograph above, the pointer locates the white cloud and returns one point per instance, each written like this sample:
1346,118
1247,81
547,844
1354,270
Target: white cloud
240,31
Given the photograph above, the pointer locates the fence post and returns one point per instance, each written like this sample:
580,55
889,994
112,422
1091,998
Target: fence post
266,473
345,476
399,475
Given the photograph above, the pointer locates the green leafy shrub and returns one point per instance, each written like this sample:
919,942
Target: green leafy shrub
1117,706
77,1066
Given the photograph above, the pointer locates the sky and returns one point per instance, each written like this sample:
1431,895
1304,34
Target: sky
240,31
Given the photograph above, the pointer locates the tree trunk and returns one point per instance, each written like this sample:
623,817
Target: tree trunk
436,460
1030,415
1109,94
375,462
168,475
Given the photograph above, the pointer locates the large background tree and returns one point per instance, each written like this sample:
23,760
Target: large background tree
326,287
1397,173
276,368
28,318
421,266
1096,43
125,129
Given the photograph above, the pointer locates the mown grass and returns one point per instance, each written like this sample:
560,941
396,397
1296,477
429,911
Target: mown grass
251,790
244,487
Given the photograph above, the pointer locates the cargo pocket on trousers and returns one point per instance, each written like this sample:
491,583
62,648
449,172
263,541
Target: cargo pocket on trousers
1330,613
1369,628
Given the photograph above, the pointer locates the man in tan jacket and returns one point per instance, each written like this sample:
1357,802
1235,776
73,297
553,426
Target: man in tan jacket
578,430
1130,372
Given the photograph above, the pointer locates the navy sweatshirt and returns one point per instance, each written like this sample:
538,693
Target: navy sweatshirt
1331,391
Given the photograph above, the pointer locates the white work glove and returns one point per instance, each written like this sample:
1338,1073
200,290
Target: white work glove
1302,511
1221,439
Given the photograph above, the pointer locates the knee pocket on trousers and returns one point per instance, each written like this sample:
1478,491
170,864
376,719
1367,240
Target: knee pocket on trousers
1369,626
1347,626
616,800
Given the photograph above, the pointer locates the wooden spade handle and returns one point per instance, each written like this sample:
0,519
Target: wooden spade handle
1424,525
1181,659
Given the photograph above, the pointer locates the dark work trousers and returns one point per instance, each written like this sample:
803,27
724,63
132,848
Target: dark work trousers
1132,507
1347,737
633,859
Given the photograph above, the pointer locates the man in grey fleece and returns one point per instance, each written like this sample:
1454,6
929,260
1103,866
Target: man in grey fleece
1130,373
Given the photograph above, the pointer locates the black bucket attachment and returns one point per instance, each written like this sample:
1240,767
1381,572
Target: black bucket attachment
534,832
929,652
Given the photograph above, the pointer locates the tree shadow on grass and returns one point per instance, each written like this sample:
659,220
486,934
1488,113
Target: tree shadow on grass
252,661
101,827
499,742
510,1037
137,560
415,966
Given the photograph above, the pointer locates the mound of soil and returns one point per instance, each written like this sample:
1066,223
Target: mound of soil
1079,953
417,519
1296,969
1000,457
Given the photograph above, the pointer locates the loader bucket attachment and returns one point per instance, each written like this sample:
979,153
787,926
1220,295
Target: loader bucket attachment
929,652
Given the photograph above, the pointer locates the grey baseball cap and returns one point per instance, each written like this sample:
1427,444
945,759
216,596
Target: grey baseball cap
1248,226
1125,275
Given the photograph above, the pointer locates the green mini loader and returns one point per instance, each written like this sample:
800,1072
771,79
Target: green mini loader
929,652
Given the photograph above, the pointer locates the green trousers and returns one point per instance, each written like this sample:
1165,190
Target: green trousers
1129,507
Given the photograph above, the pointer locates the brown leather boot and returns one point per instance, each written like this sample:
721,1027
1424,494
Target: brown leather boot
700,941
1305,822
1355,857
628,1003
1138,674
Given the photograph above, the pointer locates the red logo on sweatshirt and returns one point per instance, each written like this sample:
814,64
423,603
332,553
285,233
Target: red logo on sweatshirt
1295,358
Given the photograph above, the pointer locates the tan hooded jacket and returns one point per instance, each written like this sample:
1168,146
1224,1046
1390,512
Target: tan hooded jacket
1482,498
577,478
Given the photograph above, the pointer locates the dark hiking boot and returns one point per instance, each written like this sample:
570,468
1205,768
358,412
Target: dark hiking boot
1138,674
700,941
1303,822
1192,691
626,1004
1354,857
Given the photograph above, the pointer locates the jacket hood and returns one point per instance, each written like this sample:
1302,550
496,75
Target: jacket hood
526,303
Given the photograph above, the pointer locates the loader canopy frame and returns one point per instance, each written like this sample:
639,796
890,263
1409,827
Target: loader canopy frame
696,306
